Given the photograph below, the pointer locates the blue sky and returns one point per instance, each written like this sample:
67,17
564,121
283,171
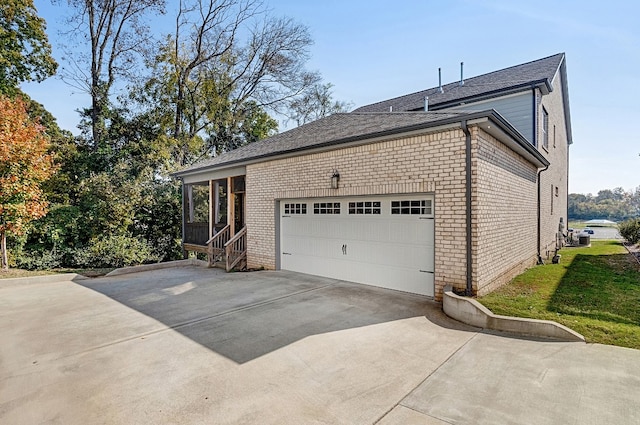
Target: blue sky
373,50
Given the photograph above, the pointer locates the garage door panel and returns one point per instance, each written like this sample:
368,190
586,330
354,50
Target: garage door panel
380,249
402,232
425,229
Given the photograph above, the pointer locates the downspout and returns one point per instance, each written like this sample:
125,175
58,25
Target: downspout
540,262
465,129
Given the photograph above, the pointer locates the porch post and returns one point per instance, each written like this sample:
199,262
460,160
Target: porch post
216,202
190,201
183,214
231,211
211,209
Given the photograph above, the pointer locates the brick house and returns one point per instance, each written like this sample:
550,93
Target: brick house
463,184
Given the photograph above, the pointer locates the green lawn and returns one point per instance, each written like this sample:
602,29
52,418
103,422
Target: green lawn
594,291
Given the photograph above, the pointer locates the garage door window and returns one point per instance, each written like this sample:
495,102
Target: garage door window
295,208
412,207
365,207
326,208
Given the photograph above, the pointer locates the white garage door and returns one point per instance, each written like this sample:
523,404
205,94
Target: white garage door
385,241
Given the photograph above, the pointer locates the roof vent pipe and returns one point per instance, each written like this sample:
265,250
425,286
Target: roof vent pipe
461,75
426,103
440,80
391,108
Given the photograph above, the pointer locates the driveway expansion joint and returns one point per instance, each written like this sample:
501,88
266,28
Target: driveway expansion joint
399,403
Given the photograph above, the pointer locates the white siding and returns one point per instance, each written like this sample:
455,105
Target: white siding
517,109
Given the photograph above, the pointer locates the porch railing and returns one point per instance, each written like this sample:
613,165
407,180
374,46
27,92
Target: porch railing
196,233
236,249
216,245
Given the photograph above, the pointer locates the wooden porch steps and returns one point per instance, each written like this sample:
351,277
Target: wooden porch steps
223,250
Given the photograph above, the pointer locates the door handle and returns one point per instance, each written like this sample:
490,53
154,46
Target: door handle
344,249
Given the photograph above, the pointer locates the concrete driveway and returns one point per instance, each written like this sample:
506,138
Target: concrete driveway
198,346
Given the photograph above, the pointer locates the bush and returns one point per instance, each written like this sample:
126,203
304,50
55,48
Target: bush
39,260
630,230
115,251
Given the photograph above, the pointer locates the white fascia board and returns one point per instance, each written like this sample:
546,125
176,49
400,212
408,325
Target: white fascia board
203,175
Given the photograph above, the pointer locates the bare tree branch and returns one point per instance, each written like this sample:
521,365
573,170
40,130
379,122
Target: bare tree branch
116,34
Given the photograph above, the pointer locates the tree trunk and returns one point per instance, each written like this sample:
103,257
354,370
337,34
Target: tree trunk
96,117
3,248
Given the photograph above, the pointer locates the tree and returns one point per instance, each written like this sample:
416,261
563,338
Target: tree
116,34
24,165
25,53
316,103
616,204
225,66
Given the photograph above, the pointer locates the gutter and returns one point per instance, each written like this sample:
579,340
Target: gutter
465,129
363,139
544,85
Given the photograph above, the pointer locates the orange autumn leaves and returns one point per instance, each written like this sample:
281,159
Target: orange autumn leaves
24,164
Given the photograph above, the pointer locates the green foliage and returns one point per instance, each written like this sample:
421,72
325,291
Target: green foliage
615,205
198,112
158,219
630,230
25,53
209,89
116,251
594,291
39,260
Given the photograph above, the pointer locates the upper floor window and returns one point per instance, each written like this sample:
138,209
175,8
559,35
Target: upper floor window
545,129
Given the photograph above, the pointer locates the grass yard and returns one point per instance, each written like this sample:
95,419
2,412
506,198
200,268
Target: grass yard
594,291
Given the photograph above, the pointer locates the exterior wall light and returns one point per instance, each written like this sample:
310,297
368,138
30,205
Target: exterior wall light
335,178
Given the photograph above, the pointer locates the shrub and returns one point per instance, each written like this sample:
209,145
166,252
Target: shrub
630,230
115,251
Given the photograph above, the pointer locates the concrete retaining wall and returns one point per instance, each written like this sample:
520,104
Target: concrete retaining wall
471,312
157,266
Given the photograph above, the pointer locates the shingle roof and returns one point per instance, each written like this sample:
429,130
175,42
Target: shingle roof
539,72
334,129
375,120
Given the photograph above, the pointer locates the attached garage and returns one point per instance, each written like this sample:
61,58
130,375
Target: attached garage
385,241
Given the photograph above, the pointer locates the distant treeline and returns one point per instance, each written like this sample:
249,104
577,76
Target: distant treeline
615,205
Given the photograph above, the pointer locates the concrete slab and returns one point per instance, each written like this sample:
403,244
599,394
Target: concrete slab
197,346
498,380
193,345
405,416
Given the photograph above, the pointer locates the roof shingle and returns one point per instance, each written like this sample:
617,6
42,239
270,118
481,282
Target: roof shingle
541,71
334,129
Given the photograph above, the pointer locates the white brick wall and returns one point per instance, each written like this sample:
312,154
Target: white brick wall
556,175
503,198
504,213
429,163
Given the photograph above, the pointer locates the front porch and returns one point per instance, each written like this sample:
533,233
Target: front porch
213,221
